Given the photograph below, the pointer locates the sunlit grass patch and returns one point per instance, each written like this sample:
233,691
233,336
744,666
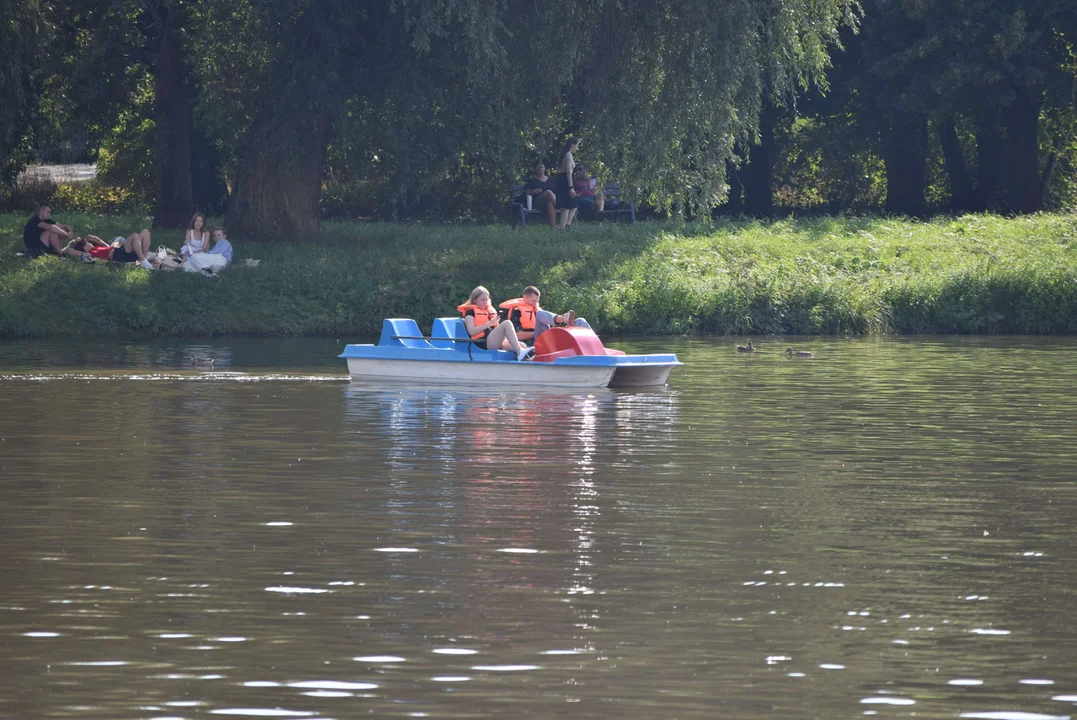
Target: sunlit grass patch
970,274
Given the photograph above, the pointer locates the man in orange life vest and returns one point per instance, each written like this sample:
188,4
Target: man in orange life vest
531,321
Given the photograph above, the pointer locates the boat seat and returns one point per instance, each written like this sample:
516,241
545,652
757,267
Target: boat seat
449,327
401,327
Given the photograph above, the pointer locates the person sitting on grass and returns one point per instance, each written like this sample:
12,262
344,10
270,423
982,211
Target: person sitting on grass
134,248
214,260
197,239
44,236
483,326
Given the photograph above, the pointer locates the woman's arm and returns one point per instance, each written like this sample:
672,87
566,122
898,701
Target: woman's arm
469,325
472,328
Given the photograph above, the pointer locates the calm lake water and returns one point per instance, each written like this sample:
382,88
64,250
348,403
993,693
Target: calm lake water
887,528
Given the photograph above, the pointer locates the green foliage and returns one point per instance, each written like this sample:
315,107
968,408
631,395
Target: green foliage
422,94
817,169
971,274
97,198
126,154
23,33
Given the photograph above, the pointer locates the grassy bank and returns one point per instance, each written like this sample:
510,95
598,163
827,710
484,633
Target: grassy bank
974,274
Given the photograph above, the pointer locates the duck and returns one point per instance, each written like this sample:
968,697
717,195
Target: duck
746,348
202,362
798,353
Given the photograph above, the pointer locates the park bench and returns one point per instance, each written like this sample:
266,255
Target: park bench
520,213
615,206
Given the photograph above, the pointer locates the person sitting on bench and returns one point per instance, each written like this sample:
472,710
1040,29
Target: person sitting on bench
540,189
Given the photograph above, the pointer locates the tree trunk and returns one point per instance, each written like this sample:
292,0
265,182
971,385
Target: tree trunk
988,166
172,117
757,175
961,198
1022,154
1048,177
906,166
735,205
278,184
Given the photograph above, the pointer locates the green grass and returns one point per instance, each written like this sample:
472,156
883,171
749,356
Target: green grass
972,274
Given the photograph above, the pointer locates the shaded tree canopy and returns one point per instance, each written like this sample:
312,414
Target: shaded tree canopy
658,93
23,38
979,73
420,104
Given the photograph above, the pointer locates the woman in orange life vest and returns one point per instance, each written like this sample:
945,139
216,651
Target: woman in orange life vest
481,322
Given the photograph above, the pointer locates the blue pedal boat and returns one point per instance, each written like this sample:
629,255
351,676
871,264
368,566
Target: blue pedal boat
565,357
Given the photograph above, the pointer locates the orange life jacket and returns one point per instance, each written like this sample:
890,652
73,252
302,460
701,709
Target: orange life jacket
482,315
527,312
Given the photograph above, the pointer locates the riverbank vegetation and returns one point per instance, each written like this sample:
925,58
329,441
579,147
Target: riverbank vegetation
970,274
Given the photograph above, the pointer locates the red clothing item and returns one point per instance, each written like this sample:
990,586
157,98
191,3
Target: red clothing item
583,188
100,253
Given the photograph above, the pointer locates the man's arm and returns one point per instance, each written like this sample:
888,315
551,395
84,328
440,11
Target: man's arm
58,229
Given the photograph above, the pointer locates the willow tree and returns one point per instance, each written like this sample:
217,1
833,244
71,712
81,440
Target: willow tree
23,39
659,91
686,82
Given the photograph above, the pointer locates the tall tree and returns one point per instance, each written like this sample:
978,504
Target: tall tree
996,63
172,116
658,93
106,52
24,36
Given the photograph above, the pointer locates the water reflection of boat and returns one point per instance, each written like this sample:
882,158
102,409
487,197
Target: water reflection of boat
565,357
507,491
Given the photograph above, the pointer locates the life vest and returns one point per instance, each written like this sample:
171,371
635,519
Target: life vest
527,312
482,315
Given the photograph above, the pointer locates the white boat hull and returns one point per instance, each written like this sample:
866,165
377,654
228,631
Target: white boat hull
378,370
641,375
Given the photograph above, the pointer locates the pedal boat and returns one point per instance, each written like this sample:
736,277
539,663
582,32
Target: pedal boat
565,357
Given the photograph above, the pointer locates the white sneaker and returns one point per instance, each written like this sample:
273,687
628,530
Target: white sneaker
145,265
526,354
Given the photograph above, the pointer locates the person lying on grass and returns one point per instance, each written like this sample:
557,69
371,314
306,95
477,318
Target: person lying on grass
134,248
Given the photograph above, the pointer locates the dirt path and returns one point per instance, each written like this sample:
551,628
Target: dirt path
61,173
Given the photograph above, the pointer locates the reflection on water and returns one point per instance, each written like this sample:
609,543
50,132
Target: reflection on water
885,529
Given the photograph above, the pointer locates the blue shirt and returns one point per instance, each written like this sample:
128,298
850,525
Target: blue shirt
223,247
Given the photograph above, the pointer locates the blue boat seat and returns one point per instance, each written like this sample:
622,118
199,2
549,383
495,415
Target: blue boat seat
449,327
401,328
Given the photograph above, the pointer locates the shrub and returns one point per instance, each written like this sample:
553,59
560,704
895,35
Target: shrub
97,198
